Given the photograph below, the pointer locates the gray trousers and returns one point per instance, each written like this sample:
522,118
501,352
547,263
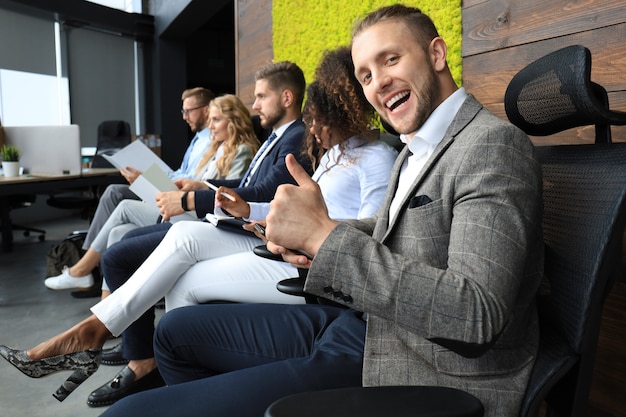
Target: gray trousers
111,197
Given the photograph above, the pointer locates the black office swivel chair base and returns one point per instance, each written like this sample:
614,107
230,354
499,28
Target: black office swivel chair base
83,201
28,230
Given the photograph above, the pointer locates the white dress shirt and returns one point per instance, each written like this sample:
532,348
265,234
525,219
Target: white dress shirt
423,144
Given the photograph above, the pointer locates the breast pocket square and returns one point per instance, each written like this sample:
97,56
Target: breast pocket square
419,200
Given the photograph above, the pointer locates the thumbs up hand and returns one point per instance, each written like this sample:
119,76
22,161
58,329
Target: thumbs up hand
298,218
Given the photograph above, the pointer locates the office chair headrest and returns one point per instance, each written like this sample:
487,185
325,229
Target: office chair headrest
555,93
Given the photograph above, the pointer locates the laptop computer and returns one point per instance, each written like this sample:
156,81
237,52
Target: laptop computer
47,150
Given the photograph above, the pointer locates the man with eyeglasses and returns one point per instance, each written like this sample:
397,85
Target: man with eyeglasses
195,111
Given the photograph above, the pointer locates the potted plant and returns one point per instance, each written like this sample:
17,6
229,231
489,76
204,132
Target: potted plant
10,161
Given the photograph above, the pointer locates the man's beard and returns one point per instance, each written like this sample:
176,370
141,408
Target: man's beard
426,99
271,119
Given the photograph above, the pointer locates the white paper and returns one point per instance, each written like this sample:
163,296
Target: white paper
138,156
214,219
154,181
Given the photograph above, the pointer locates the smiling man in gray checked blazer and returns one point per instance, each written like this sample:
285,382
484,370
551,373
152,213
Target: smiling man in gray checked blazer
446,273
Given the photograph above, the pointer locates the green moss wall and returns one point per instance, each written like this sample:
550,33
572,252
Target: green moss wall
304,29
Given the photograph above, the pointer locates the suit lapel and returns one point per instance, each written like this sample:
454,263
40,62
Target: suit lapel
465,115
383,218
263,169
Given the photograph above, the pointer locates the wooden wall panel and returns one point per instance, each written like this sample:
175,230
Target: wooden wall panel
253,43
497,24
470,3
487,75
599,27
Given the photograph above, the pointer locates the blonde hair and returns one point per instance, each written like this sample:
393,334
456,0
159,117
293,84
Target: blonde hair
240,132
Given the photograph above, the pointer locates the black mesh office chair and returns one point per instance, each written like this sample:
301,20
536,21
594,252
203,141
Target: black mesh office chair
113,135
584,193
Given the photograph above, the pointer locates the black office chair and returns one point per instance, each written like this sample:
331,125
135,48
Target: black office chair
113,135
584,194
23,201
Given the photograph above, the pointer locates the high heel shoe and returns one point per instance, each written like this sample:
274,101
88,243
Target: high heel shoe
84,364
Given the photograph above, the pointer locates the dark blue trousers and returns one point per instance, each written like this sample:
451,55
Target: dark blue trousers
236,359
118,263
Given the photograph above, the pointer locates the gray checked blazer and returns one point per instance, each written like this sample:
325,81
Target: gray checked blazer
449,286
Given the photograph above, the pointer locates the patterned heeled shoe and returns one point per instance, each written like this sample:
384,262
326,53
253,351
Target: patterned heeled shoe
84,364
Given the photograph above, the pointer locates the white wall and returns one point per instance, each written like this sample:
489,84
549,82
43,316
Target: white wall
29,99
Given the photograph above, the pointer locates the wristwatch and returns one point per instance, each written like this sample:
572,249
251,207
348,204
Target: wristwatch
183,201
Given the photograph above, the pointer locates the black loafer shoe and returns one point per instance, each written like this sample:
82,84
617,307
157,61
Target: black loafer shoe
123,385
113,356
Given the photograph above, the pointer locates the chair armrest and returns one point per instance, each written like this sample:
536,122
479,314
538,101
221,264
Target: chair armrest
295,286
292,286
396,401
264,252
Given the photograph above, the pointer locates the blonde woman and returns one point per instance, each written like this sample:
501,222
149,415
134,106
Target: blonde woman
234,143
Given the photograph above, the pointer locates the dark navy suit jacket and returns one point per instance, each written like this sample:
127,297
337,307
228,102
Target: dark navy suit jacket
271,172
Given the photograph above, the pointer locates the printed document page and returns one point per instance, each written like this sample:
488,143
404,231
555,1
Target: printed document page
152,182
138,156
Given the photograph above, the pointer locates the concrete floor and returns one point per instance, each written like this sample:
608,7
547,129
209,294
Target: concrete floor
31,313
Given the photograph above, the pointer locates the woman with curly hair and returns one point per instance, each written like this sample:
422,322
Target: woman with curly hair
340,102
353,165
197,262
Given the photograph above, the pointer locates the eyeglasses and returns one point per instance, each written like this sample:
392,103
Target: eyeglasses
185,112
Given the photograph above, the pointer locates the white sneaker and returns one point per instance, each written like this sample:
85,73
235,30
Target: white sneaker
65,281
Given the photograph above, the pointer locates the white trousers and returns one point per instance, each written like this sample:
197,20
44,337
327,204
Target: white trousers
127,215
196,263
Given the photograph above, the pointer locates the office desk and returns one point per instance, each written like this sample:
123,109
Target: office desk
32,184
